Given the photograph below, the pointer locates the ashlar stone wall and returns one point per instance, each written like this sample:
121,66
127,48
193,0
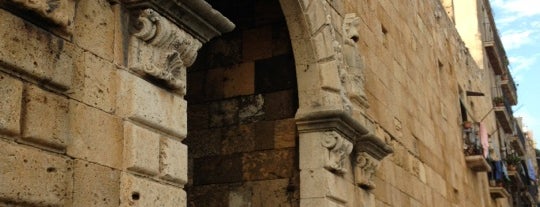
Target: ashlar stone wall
242,98
92,110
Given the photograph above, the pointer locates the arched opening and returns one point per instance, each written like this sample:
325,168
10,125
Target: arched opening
242,98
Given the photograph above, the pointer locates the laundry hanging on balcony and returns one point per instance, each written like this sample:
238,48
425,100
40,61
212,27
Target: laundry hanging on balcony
530,170
484,139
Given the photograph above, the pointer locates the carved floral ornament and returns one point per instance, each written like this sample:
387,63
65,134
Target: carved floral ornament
341,136
163,50
166,35
338,150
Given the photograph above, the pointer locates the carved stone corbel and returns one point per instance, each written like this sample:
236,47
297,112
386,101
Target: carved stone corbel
338,149
369,151
164,50
166,35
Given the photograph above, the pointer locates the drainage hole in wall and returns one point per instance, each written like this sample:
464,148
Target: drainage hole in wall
135,196
51,169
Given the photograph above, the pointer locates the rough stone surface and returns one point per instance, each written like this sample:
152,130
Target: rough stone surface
95,136
93,28
45,118
60,13
34,53
95,185
34,177
95,82
173,160
136,191
11,91
141,149
143,102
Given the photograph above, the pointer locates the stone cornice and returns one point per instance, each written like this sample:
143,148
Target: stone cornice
331,119
197,17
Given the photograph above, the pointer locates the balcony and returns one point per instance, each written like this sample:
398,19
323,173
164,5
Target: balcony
477,163
498,192
509,88
515,177
517,145
503,118
493,45
473,150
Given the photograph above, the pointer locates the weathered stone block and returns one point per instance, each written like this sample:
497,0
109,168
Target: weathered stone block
218,169
45,118
11,91
136,191
280,105
266,165
95,82
198,116
94,29
275,73
204,143
250,108
264,135
145,103
285,133
33,177
239,80
95,185
95,136
141,149
238,139
35,52
214,84
173,160
223,113
59,12
257,43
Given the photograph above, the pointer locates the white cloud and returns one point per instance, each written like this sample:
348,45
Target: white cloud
515,38
518,7
521,64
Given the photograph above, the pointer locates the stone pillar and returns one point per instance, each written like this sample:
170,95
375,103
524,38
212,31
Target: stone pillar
92,109
163,40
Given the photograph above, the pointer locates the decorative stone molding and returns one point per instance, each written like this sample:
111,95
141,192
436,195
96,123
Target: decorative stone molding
162,50
197,17
354,78
340,131
338,149
369,150
166,36
56,12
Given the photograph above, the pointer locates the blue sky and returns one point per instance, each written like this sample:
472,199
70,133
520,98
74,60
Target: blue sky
518,22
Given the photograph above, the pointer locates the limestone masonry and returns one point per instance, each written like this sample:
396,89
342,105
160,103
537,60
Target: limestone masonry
238,103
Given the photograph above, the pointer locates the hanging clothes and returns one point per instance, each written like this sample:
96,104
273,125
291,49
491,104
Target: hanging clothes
530,170
484,139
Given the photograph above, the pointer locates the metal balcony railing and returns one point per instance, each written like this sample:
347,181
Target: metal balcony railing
493,44
508,87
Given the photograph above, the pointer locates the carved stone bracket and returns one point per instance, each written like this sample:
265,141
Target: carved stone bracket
166,36
340,130
369,151
197,17
161,49
338,149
